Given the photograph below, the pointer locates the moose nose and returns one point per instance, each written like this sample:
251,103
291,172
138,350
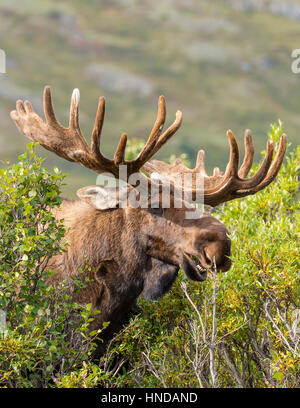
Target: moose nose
226,265
212,260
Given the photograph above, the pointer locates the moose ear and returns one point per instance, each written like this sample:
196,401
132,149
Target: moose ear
103,198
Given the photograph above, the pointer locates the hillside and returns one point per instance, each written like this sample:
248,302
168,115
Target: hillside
225,64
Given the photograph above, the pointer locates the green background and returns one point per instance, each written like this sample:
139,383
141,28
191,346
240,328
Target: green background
225,64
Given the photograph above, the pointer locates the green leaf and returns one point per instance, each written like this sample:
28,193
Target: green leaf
52,349
32,193
278,376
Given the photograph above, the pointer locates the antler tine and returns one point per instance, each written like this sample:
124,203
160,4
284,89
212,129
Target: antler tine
156,140
74,126
168,133
262,172
97,129
200,162
155,132
217,172
20,107
272,172
249,155
223,182
48,107
233,164
120,152
74,110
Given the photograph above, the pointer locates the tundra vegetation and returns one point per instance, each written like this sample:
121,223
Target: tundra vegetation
237,329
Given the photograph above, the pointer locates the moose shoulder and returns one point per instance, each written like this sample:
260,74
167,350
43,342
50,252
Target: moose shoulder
138,249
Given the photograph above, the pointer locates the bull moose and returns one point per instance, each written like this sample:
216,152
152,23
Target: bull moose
134,250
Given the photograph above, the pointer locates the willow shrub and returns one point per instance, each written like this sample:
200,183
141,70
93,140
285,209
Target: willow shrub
40,337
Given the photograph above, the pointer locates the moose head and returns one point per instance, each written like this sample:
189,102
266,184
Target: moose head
139,247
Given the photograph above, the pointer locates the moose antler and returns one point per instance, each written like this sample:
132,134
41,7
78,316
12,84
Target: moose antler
69,143
222,187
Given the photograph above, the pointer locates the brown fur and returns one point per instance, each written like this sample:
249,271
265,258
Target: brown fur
129,252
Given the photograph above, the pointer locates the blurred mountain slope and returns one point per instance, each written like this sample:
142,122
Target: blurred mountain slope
225,64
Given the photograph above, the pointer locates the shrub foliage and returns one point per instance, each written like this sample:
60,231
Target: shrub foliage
42,332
